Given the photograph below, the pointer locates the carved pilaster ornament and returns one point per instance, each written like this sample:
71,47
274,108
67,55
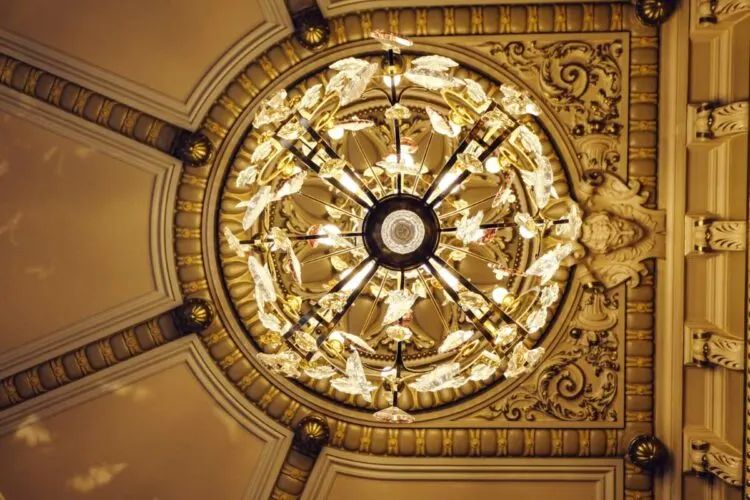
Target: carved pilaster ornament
193,148
654,12
647,452
708,460
705,235
311,435
709,348
194,315
713,121
712,12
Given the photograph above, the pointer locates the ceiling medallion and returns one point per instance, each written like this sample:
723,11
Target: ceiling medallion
459,247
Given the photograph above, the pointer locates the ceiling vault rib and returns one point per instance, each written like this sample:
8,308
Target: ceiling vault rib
191,148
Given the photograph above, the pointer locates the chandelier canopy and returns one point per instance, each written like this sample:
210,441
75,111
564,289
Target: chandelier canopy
390,275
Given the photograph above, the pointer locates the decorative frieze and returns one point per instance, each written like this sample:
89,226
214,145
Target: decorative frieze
705,235
713,459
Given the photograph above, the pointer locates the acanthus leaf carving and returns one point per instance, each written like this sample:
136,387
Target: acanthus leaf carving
704,235
711,121
708,459
708,348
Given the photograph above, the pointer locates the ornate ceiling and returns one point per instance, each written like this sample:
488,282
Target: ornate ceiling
130,328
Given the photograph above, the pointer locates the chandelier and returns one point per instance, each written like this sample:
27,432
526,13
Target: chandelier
401,228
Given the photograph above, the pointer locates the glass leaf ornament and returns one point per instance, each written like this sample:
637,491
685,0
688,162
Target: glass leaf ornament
291,186
527,140
432,79
468,230
517,103
332,168
442,377
398,333
334,301
441,125
541,181
549,295
291,131
485,366
390,41
455,340
467,161
264,285
476,94
434,62
471,300
397,112
305,342
284,363
311,97
393,167
349,65
546,265
505,194
246,177
272,110
495,118
535,320
399,303
281,243
355,124
356,341
393,415
533,356
355,381
234,244
506,334
269,320
516,361
333,238
570,230
352,78
320,372
526,225
262,151
255,206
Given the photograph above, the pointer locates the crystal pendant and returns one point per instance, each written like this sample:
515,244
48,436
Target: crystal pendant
455,340
570,230
485,366
526,225
246,177
549,295
291,131
352,79
398,333
546,265
273,109
471,300
393,415
293,185
334,301
264,287
506,334
262,151
234,244
432,79
541,181
516,361
467,161
355,124
349,65
535,320
390,41
305,342
468,230
497,119
355,340
442,377
533,356
320,372
397,112
355,381
268,320
434,62
399,303
255,206
284,363
441,124
280,242
476,94
527,140
393,167
517,103
311,97
332,168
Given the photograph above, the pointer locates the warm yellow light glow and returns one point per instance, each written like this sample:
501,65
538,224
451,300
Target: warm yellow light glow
499,293
492,165
336,133
358,278
391,80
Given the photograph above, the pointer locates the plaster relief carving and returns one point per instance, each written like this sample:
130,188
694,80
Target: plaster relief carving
582,82
708,459
704,235
712,12
709,348
714,122
618,233
579,382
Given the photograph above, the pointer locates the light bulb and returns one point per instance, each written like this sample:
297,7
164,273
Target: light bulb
390,81
499,293
447,181
492,165
407,159
336,132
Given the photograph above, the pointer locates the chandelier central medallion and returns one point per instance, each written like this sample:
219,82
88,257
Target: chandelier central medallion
393,235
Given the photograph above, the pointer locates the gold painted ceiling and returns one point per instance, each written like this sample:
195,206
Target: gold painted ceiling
127,361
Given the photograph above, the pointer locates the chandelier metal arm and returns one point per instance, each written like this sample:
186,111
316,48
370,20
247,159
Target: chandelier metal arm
354,294
421,164
331,254
468,252
432,299
374,304
467,207
472,287
500,225
476,320
329,205
368,163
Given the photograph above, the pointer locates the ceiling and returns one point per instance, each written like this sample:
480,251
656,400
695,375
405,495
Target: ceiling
114,386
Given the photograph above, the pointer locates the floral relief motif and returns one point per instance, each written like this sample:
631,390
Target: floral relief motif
579,382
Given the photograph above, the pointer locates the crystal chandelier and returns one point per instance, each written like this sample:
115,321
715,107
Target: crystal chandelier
403,223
